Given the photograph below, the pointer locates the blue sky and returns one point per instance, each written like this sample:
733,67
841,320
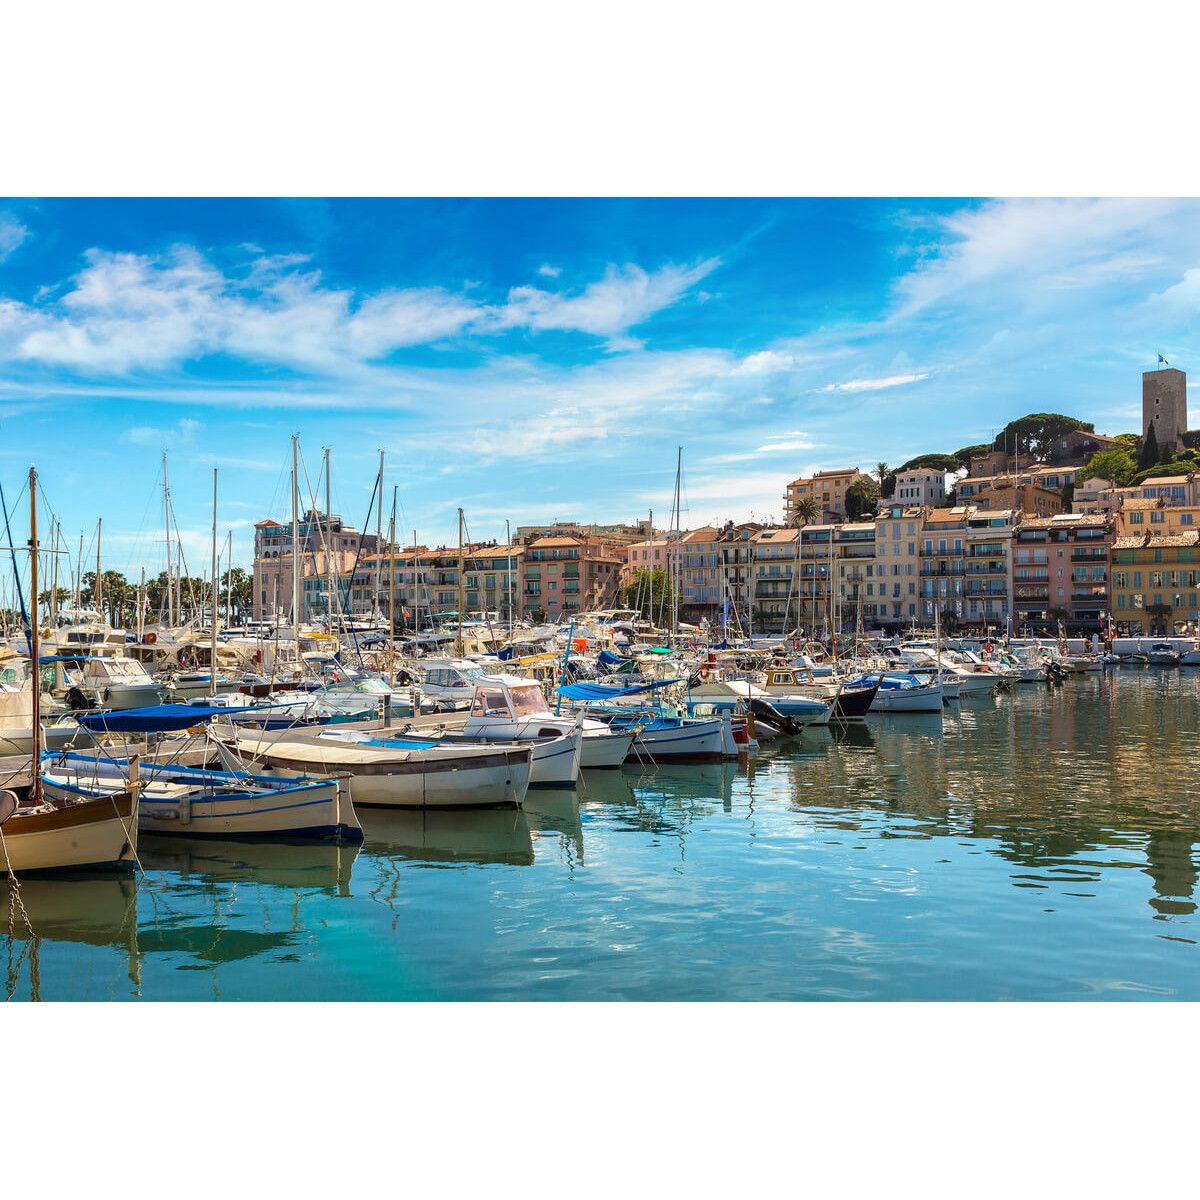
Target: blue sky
539,359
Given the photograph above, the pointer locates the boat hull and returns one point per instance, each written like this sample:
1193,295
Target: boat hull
91,835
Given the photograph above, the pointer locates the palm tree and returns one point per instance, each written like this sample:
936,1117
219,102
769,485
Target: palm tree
804,512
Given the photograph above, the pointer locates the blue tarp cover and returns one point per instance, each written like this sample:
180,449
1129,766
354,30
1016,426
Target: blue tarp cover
609,659
595,691
157,718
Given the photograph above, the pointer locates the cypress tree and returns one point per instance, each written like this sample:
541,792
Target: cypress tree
1149,454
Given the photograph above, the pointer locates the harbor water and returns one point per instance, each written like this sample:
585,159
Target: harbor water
1034,846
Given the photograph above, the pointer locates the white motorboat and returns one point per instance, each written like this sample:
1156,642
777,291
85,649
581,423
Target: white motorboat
554,761
432,776
1163,654
113,682
507,706
900,694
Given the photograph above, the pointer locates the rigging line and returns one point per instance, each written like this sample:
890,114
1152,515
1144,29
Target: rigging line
325,536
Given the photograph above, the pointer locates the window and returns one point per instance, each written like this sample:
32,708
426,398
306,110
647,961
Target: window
1156,518
1121,600
1135,518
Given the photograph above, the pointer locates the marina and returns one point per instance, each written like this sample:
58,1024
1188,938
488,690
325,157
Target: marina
1004,849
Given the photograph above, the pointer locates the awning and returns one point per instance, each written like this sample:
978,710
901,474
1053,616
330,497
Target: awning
157,718
596,691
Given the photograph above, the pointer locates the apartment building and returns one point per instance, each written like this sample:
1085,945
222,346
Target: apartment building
570,573
1062,562
943,562
657,554
920,488
324,541
612,535
1020,496
1156,582
857,585
735,548
700,590
827,488
776,602
898,533
987,566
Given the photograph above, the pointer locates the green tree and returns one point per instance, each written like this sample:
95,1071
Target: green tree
962,458
805,512
1128,439
886,479
1036,432
862,497
1118,465
1059,616
1182,464
1068,496
239,586
1149,455
938,462
650,592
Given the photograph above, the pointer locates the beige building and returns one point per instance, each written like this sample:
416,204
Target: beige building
898,564
827,488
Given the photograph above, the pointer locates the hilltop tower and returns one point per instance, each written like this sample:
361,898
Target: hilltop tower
1164,401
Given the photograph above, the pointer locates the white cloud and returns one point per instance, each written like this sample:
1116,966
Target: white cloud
625,297
12,234
125,312
547,269
148,435
872,385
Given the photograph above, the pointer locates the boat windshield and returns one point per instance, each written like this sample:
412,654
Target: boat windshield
528,700
490,702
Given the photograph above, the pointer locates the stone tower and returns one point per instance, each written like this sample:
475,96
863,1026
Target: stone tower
1164,401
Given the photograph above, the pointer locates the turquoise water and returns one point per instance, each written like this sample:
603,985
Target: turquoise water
1038,846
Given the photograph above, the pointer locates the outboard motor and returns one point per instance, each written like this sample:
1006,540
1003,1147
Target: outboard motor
768,712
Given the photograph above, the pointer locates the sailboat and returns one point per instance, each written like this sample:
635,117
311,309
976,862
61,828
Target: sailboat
83,834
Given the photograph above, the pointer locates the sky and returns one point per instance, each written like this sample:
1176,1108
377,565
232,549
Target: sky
534,360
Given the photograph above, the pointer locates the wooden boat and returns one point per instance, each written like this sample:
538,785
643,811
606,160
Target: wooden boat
86,835
195,802
402,777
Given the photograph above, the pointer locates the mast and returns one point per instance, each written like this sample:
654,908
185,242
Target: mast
459,642
295,553
79,578
35,761
99,586
328,539
378,539
167,528
229,577
675,581
392,595
141,606
508,575
212,656
54,578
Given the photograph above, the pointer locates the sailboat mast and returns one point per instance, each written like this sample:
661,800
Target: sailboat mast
295,552
508,574
35,761
328,544
675,581
378,539
229,577
167,529
459,643
392,596
54,579
99,586
212,657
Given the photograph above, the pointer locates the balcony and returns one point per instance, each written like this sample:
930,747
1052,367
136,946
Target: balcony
976,589
1094,594
1034,577
1089,555
986,569
928,569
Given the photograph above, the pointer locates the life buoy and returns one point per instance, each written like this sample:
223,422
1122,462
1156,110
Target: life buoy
151,638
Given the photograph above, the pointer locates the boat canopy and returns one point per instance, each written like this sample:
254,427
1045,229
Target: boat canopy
157,718
595,691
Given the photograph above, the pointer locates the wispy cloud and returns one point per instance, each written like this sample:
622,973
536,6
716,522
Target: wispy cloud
149,435
873,385
12,234
547,269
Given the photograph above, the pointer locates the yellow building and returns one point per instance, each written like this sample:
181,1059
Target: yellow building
1156,582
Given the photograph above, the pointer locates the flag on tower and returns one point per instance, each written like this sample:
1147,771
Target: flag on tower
1163,361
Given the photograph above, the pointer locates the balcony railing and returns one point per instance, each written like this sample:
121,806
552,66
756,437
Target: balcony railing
928,569
1035,577
1089,555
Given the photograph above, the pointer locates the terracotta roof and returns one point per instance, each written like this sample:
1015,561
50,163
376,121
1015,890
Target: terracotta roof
776,535
1065,521
707,534
1141,503
559,541
1145,541
1157,479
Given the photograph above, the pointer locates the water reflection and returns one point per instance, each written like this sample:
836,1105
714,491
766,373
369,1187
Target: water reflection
437,837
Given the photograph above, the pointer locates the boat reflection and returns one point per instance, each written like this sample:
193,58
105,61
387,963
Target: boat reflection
553,813
91,910
300,863
440,837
